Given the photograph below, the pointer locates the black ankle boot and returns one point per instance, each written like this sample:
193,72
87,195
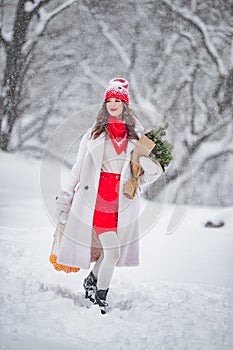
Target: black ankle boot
89,284
100,298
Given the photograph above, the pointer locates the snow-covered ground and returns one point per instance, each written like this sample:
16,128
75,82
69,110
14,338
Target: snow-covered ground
180,297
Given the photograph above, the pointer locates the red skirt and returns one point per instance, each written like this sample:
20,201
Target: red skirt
106,208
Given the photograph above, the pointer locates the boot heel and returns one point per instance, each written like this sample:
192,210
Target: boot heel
100,297
104,309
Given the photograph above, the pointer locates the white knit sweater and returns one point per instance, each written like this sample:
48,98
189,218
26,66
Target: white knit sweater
112,162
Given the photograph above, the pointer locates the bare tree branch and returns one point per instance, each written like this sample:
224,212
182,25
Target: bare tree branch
108,35
200,25
36,5
94,77
18,60
193,5
207,134
3,39
170,45
45,18
231,56
216,154
184,178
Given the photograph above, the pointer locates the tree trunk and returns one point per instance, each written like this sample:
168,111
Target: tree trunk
13,75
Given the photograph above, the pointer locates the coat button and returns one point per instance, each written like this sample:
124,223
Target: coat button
86,187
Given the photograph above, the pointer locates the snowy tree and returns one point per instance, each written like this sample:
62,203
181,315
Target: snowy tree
177,56
30,22
187,67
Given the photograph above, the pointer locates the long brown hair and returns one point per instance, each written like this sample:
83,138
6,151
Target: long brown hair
101,124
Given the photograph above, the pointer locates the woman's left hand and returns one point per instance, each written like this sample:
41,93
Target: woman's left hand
63,204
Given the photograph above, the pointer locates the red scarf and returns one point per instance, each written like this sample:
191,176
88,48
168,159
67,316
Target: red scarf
118,133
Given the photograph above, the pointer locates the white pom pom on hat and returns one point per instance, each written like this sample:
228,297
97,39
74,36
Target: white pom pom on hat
119,82
118,88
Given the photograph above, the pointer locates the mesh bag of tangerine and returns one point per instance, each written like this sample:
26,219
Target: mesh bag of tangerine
57,237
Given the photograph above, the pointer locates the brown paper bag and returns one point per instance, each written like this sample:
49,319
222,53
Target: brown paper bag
143,148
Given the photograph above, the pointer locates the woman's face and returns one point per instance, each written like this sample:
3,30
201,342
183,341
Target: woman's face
114,107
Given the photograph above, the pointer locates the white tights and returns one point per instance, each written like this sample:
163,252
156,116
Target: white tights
104,266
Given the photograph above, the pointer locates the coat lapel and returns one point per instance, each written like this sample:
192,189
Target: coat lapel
130,148
96,149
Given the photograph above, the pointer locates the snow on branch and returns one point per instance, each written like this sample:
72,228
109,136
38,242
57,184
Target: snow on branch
45,18
213,153
95,78
200,155
180,84
225,29
167,55
5,39
118,46
208,133
171,43
193,5
201,26
29,6
231,53
108,35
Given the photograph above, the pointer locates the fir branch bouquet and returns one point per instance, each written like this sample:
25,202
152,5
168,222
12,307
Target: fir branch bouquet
152,146
162,151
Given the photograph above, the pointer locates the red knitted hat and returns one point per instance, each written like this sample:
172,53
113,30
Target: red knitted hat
118,88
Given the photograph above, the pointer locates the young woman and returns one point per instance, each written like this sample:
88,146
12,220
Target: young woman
101,222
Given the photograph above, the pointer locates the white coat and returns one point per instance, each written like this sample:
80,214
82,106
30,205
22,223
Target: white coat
80,245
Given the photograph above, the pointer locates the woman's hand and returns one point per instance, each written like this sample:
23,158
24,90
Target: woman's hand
63,204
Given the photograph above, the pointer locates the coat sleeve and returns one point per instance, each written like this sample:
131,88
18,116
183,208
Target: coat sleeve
74,175
152,172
